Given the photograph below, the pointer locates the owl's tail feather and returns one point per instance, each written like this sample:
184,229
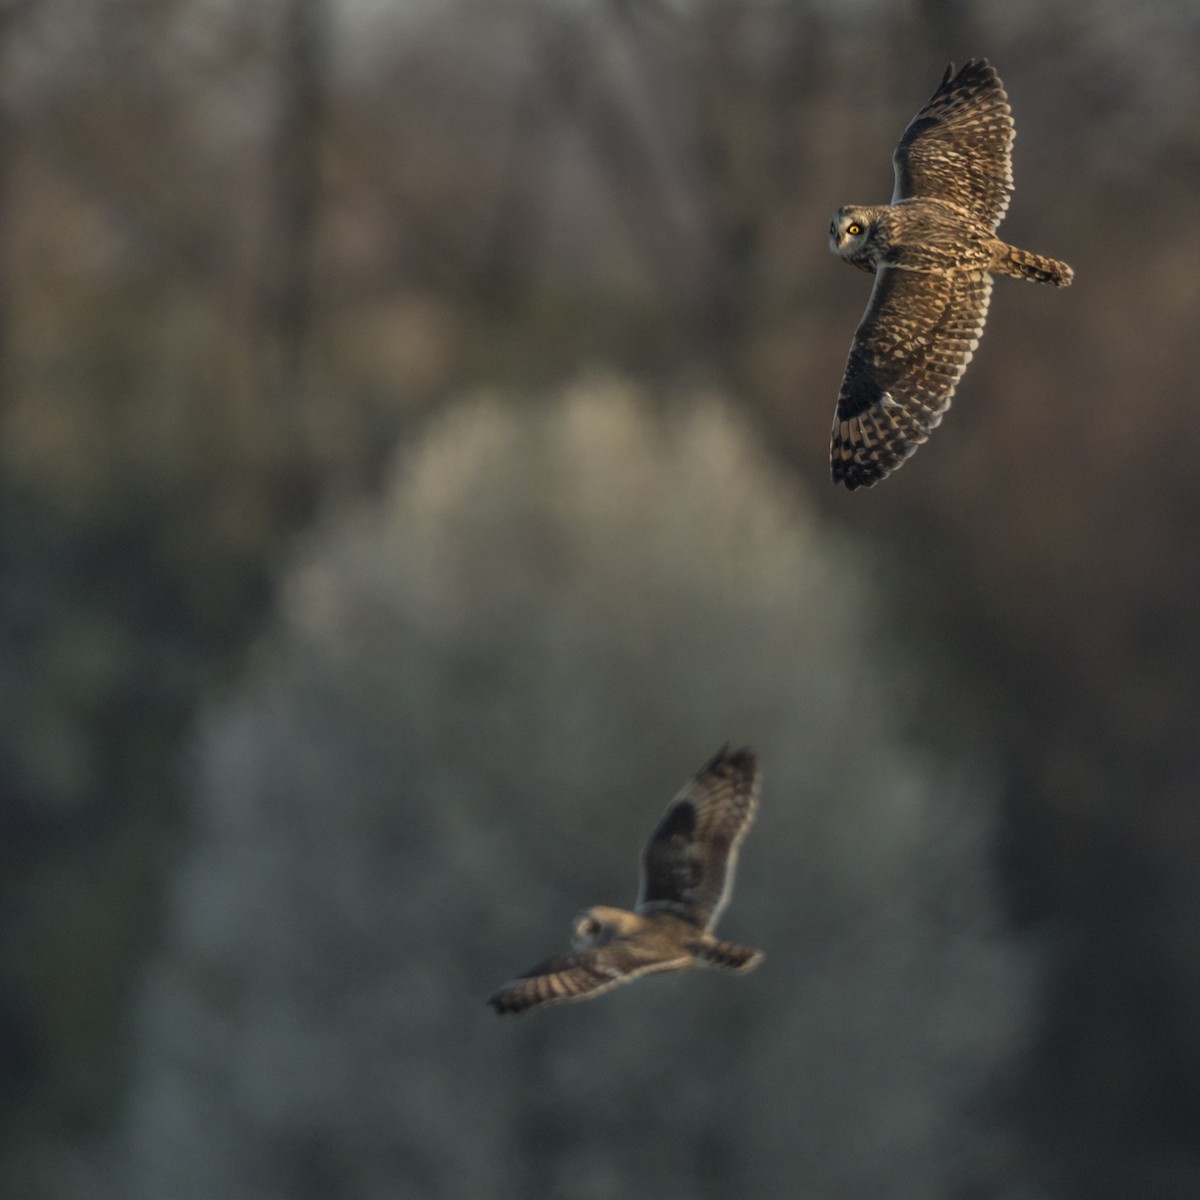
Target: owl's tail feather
1023,264
725,956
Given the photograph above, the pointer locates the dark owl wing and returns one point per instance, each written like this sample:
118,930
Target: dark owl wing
910,350
688,864
577,977
958,148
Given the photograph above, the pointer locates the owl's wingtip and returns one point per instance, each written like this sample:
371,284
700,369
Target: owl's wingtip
502,1004
981,66
853,475
741,758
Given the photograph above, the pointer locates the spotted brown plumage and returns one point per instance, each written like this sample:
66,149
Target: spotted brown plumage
919,333
687,876
933,252
958,148
690,859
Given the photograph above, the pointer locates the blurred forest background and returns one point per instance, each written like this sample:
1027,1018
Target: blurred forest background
414,465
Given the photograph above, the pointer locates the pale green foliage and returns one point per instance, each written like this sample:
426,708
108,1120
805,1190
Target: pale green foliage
482,693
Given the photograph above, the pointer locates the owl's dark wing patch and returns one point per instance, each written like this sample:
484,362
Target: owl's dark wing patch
578,976
958,148
911,348
688,864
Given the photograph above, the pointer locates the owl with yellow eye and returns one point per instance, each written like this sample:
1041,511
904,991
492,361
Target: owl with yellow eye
933,251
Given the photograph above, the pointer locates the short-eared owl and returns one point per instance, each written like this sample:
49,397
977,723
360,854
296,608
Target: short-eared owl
687,876
932,252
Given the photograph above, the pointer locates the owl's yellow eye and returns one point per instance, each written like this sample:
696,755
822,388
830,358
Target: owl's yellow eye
854,229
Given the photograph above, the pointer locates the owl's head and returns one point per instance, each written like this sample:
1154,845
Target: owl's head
599,925
848,230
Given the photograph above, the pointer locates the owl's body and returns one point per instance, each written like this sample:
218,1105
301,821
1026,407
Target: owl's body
687,876
922,235
933,236
933,251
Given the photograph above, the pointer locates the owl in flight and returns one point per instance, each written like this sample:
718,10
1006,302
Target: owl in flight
932,251
687,877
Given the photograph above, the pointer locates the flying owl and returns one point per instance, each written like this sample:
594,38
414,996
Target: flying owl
687,877
932,251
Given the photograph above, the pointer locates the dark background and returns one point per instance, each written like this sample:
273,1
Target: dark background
271,689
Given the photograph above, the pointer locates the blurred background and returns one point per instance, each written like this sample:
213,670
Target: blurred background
414,466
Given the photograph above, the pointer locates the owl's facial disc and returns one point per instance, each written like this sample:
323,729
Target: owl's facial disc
589,930
847,231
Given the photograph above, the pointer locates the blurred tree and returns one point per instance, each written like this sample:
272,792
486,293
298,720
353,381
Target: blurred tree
483,691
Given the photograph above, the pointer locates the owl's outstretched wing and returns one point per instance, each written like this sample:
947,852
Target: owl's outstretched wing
909,352
578,976
958,148
688,864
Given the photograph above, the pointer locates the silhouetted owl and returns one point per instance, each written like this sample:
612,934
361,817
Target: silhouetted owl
932,252
687,876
